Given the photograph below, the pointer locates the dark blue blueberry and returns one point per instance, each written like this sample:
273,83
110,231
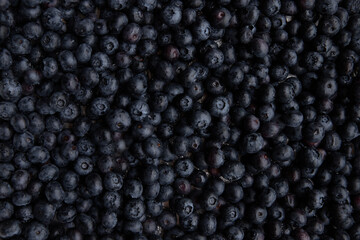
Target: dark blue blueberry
5,131
83,53
253,143
133,188
54,192
84,27
67,61
50,41
48,172
117,4
10,90
201,30
6,210
10,228
134,209
18,45
214,58
207,224
52,19
85,223
6,59
171,14
100,61
109,44
83,165
44,212
21,198
66,214
70,113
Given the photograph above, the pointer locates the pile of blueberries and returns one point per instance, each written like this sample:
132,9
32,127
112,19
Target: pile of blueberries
179,119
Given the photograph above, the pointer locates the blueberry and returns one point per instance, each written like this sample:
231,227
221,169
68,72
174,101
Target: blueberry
283,153
6,132
232,170
112,200
147,5
109,220
234,232
7,210
21,198
10,90
66,214
109,44
83,53
85,223
154,208
133,188
99,107
10,228
171,14
7,170
207,224
167,220
259,47
139,110
54,192
5,190
314,132
201,30
52,19
67,61
134,209
94,184
44,212
100,61
253,143
18,45
48,172
20,179
84,27
6,59
233,192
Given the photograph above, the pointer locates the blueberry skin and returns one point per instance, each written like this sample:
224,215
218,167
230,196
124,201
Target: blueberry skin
44,212
67,61
38,154
8,109
119,120
7,210
10,228
100,61
139,110
66,214
253,143
10,90
18,45
5,190
83,53
99,107
85,223
6,59
84,27
201,119
134,209
214,58
50,41
232,170
171,14
48,172
207,224
201,30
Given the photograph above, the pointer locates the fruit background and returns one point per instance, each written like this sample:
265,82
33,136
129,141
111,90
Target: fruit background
179,119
